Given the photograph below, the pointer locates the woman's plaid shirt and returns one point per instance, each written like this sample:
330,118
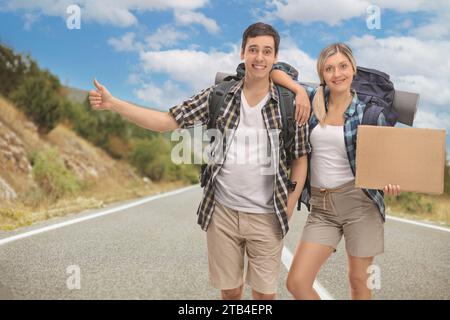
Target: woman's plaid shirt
196,111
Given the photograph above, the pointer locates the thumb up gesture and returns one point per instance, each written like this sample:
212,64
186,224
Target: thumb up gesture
100,99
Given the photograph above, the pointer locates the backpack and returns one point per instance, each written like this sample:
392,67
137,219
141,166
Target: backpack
287,109
374,88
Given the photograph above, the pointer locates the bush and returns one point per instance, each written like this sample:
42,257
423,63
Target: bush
13,68
38,96
104,129
152,158
52,176
413,202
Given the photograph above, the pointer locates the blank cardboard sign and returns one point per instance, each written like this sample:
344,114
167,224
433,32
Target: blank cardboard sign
410,157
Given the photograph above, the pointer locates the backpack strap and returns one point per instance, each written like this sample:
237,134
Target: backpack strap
286,97
217,100
371,114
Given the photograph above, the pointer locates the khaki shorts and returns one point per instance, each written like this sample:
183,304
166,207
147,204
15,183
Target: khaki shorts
232,234
345,211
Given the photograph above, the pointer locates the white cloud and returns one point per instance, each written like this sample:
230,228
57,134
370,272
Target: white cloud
196,69
117,12
438,28
305,65
191,17
163,97
134,78
428,119
334,12
329,11
30,18
165,36
126,43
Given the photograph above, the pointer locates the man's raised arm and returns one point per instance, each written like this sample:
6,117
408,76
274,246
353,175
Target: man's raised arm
102,99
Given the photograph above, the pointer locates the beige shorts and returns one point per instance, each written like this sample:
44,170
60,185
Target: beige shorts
232,234
345,211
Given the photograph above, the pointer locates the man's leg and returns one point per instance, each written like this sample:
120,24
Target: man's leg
264,245
232,294
226,253
263,296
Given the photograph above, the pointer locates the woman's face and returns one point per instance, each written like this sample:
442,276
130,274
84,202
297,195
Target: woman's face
338,73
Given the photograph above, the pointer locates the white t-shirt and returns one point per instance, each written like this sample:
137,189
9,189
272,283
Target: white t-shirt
329,161
244,183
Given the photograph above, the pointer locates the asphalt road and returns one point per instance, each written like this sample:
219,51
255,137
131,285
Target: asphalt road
155,250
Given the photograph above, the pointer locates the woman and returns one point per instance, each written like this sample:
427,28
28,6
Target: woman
337,207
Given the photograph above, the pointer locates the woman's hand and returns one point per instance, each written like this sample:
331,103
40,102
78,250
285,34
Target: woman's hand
302,106
100,99
392,190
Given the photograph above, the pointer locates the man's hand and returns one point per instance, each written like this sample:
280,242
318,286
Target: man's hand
100,99
302,106
392,190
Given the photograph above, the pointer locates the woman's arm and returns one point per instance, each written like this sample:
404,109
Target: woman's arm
299,171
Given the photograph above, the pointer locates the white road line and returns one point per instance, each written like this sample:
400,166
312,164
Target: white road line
417,223
286,258
93,216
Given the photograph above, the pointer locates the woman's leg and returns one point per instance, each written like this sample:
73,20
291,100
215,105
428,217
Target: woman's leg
358,275
308,259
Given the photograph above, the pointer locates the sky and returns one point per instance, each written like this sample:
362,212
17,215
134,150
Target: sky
157,53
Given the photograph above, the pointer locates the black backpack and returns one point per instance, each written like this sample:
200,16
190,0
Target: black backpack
375,89
287,109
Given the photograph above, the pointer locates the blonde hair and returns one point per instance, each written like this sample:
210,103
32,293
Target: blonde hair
319,97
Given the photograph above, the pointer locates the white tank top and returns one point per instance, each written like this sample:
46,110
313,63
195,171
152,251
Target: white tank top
243,183
330,167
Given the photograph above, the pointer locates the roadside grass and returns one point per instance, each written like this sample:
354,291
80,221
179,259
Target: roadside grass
37,207
431,209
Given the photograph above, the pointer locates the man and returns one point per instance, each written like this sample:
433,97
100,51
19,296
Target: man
245,206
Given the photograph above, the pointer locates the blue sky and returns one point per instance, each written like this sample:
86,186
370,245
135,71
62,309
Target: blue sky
156,53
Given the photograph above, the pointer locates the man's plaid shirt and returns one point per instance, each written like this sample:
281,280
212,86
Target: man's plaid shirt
196,111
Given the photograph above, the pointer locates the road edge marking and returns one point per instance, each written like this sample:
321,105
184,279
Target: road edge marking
93,216
417,223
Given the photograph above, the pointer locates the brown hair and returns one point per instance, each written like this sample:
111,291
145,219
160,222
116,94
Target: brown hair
261,29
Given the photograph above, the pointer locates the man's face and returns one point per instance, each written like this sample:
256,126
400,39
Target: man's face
259,56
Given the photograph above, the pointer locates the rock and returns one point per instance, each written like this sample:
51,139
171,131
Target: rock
6,192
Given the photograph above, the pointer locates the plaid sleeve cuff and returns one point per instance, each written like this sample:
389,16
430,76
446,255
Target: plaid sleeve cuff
302,146
192,111
177,113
